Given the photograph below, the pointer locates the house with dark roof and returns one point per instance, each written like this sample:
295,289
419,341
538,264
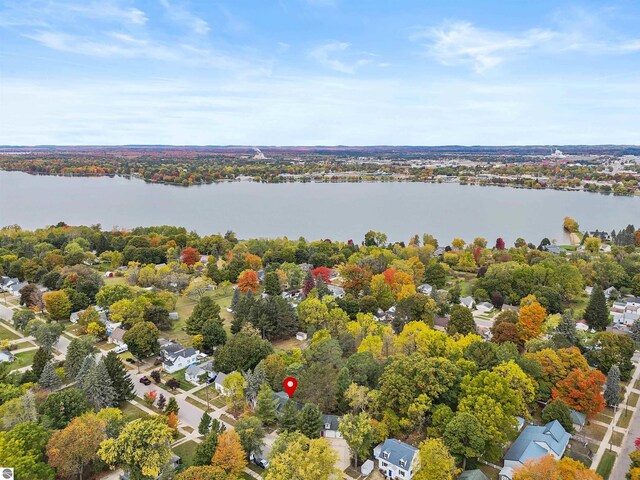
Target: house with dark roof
533,443
396,459
330,425
195,373
176,357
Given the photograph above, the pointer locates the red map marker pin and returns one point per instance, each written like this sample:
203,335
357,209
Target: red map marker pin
290,384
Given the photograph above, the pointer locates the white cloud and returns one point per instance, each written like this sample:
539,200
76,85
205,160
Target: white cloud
327,53
463,43
179,14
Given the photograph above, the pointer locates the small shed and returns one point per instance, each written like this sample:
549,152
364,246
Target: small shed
367,467
302,336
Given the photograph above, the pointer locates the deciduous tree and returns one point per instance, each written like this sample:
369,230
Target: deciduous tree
296,456
532,314
229,454
582,391
57,304
142,339
548,467
436,463
463,437
358,433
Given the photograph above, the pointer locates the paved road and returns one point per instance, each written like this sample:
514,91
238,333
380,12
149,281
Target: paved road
623,462
6,313
189,414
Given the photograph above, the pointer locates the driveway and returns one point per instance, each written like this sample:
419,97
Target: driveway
342,449
6,313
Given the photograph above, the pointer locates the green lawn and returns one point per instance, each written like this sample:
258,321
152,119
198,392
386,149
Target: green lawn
616,438
185,305
633,399
179,375
131,412
115,281
594,431
186,451
6,334
625,418
20,345
23,359
606,464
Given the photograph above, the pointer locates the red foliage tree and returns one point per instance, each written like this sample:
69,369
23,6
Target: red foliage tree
190,256
389,275
500,243
323,272
582,391
355,279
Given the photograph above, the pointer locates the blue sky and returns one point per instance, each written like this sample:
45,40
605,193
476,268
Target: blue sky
311,72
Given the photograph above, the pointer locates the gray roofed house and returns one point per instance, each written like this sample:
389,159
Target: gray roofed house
15,288
473,475
578,419
218,383
177,357
396,459
425,289
468,302
535,442
484,306
510,308
6,356
336,291
117,336
194,373
553,249
330,424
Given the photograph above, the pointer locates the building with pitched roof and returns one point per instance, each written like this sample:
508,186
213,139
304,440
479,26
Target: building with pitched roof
396,459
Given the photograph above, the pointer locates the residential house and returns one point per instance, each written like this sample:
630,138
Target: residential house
441,323
177,357
6,356
330,425
510,308
578,419
473,475
195,373
484,307
582,326
425,289
336,291
553,249
588,290
396,459
302,336
533,443
14,288
117,337
7,282
173,316
468,302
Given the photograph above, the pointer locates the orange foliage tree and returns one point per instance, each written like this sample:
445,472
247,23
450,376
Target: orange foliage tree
229,454
582,391
248,280
532,314
253,261
190,256
548,468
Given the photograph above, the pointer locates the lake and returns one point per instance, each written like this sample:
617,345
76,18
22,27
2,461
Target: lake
338,211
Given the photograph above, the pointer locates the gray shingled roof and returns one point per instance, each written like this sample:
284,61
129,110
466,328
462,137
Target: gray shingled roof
397,451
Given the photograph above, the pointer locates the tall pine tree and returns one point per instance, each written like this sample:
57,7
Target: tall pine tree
40,360
597,313
612,387
266,404
310,420
206,309
289,419
98,388
88,364
120,379
49,378
566,334
172,406
77,350
205,424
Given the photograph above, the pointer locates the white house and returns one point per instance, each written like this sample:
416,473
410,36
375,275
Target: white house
425,289
6,356
330,425
117,337
468,302
396,459
336,291
219,382
302,336
484,307
535,442
194,373
14,288
176,357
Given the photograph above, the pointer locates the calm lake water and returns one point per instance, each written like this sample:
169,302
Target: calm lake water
313,210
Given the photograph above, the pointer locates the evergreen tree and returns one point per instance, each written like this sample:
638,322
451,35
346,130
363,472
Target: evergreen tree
566,334
206,449
310,420
120,379
235,299
344,380
321,287
272,284
172,406
77,350
162,402
242,311
254,380
49,378
87,366
266,404
289,419
40,360
635,331
98,388
612,387
597,313
205,424
206,309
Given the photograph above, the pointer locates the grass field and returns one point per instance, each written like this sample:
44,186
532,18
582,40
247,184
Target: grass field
594,431
23,359
186,451
625,419
6,334
633,399
616,438
606,464
185,305
131,412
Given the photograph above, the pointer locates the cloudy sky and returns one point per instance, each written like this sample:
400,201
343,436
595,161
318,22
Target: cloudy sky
310,72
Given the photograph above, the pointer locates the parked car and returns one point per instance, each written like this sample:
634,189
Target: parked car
261,462
121,349
145,380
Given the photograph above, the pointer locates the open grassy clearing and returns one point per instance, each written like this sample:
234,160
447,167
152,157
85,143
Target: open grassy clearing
23,359
6,334
186,451
606,464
